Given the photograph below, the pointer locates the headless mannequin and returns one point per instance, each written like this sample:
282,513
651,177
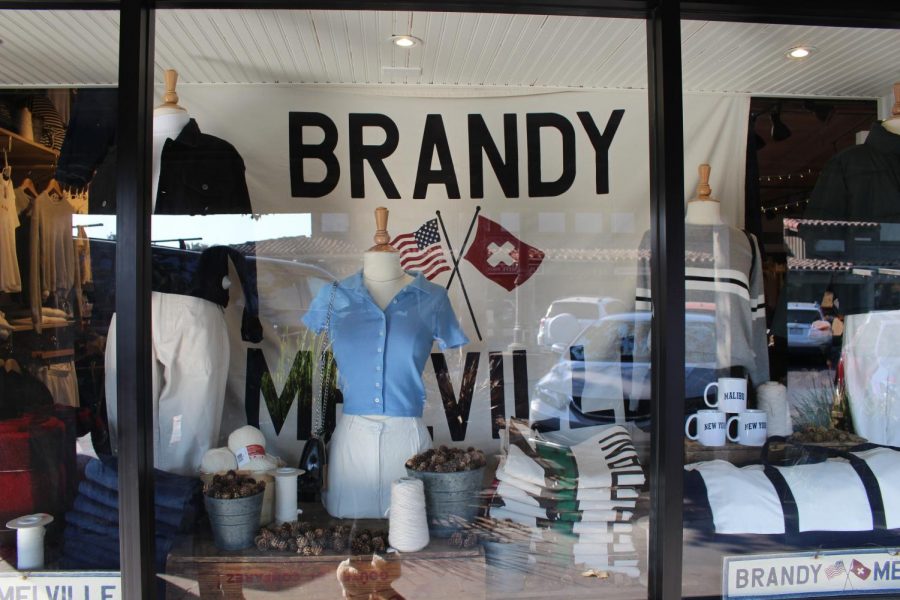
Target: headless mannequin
383,276
169,119
893,123
703,210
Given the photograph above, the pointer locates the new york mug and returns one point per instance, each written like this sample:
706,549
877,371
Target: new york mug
752,427
710,427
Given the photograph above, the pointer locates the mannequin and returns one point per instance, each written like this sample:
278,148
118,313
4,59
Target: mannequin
382,322
703,210
892,124
862,182
723,279
382,273
169,118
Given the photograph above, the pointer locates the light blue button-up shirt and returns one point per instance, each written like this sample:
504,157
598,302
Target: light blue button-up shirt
381,353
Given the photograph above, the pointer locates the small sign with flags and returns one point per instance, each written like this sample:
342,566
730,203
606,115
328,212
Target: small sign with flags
811,574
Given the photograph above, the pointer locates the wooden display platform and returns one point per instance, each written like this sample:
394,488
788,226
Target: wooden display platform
196,568
749,455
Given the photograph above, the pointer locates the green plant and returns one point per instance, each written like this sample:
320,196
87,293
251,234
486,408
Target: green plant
814,404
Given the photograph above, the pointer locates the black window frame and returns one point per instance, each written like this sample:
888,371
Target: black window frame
663,22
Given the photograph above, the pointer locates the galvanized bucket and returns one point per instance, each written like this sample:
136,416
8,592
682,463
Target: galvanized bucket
451,499
234,521
506,565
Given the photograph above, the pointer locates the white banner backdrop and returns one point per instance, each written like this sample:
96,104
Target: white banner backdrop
584,208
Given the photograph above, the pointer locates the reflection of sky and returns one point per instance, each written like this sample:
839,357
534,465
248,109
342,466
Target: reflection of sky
211,229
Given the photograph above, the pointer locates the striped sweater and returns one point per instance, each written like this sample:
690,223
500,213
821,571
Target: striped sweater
723,277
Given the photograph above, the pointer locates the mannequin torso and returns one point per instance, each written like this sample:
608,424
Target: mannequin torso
383,276
703,212
892,125
167,123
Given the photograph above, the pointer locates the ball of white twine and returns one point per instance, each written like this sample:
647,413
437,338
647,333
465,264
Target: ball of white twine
408,522
772,398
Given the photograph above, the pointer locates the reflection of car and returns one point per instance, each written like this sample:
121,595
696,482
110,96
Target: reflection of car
568,317
607,368
807,327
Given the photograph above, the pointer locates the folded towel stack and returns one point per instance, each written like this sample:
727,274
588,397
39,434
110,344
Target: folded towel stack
584,495
91,537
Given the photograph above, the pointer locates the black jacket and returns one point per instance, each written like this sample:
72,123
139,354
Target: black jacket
201,174
861,183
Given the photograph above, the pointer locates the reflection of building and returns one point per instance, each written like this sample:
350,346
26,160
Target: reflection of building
338,257
858,261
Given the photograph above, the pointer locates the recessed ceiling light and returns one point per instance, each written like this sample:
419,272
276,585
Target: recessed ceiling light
405,41
800,51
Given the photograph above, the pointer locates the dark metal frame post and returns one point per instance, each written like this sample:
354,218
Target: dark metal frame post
667,289
134,385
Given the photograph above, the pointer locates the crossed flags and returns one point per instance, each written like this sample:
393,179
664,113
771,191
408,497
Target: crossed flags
495,253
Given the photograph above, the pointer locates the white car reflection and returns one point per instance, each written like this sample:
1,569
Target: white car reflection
607,369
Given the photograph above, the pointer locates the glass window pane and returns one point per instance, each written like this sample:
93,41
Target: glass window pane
58,99
493,353
790,260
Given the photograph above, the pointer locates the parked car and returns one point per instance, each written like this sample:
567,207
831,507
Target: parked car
607,368
807,327
566,318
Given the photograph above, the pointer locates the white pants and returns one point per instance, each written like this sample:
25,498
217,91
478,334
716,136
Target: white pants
190,370
365,456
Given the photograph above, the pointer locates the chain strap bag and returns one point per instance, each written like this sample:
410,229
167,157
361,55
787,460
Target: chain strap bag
314,460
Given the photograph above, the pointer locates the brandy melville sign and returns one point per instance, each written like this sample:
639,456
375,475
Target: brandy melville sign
434,145
536,197
58,585
809,575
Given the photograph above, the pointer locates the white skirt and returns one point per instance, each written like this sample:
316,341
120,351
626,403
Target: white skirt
365,456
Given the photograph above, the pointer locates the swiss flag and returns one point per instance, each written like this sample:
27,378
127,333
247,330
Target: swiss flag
860,570
502,257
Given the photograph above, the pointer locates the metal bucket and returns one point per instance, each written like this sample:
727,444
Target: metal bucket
506,565
234,521
451,499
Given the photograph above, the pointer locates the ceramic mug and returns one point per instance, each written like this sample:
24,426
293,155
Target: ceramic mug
731,394
752,427
710,427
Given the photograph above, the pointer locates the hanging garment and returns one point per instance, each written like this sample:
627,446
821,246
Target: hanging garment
89,139
724,281
62,381
860,183
10,279
365,456
83,256
190,369
53,268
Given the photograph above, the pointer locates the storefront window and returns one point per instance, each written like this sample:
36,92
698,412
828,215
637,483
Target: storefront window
486,385
790,458
59,505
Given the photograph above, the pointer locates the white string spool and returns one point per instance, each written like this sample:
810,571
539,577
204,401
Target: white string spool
30,540
408,523
772,398
286,494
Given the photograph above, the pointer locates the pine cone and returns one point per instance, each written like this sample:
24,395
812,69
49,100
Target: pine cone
301,542
456,539
306,551
319,533
261,543
292,545
317,549
281,544
378,544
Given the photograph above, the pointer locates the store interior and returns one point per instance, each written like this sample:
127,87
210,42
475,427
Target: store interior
541,349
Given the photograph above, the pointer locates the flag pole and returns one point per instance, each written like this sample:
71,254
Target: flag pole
461,250
456,265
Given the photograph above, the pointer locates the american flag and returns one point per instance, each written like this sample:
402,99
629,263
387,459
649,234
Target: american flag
421,250
835,569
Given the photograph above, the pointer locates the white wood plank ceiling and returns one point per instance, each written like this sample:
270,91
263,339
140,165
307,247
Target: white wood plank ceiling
72,48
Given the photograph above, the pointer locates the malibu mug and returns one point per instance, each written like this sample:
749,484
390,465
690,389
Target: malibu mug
752,427
710,427
731,394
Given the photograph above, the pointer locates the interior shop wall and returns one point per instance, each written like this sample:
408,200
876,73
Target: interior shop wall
588,224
